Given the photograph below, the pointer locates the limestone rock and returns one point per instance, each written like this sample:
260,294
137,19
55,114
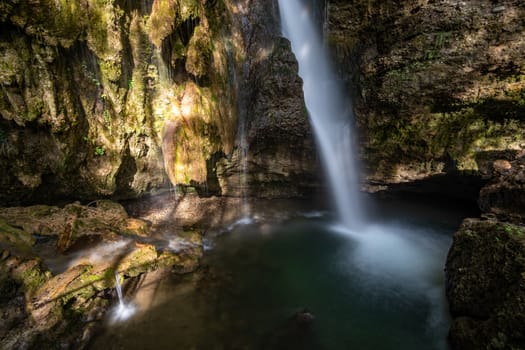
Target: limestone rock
103,220
116,99
20,278
14,238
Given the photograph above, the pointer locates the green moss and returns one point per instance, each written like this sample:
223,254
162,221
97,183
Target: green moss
142,259
161,21
512,230
96,281
460,135
34,277
110,70
440,40
198,56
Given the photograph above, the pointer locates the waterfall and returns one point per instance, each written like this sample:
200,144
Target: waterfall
122,311
330,112
118,287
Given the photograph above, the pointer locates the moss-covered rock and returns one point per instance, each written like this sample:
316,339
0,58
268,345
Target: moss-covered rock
123,98
275,154
486,285
95,244
435,84
81,91
74,222
20,278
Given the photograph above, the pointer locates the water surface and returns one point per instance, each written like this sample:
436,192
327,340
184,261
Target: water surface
377,289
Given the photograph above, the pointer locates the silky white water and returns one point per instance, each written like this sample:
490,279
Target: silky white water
389,257
122,311
330,112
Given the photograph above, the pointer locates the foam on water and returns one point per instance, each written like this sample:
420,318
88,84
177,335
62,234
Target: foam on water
397,254
122,312
244,221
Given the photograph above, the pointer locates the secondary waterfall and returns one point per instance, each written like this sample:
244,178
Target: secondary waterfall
330,113
123,310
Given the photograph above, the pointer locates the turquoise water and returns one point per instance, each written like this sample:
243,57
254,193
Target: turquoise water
383,291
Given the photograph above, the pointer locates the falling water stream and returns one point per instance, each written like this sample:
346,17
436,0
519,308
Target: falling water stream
330,113
122,311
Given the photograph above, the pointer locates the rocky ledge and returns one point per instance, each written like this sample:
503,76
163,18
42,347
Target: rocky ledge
503,197
58,268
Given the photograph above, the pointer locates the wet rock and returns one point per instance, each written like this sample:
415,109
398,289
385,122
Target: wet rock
139,259
303,318
183,261
485,284
20,277
15,239
502,166
123,104
137,228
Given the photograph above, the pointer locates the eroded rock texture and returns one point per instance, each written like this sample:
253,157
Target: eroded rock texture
119,98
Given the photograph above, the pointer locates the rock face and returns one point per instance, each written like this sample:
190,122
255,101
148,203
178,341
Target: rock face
486,286
279,158
275,155
438,85
119,98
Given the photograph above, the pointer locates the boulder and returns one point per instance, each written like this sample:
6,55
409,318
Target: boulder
485,285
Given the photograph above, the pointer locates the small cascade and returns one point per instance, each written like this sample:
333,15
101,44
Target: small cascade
123,310
330,112
118,287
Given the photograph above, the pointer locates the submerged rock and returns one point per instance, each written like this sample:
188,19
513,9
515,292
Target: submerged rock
296,333
485,284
